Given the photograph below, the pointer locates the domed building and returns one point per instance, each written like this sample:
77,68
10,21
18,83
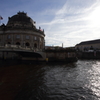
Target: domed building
21,31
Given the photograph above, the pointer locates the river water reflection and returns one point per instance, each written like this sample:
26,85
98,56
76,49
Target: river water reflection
73,81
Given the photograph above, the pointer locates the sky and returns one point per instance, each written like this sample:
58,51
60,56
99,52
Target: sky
64,21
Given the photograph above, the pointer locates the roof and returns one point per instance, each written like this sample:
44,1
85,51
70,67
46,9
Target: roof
20,18
90,42
21,21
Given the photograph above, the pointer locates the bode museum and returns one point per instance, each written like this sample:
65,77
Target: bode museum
21,31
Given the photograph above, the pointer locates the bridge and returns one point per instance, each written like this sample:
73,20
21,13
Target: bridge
24,52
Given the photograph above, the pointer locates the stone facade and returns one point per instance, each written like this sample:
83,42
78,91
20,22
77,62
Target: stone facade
60,55
21,31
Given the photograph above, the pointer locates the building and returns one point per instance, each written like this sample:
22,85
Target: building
88,45
21,31
20,39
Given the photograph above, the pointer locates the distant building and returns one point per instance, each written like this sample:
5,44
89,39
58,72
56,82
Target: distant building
21,31
53,47
88,45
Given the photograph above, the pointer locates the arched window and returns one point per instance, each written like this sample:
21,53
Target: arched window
8,43
35,45
17,43
27,44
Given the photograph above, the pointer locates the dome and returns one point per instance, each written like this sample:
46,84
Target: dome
21,19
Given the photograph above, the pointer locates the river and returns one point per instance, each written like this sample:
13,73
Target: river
50,81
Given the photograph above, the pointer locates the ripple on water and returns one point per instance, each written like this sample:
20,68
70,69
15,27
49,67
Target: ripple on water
74,81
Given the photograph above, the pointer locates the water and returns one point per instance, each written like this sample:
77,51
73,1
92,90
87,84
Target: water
73,81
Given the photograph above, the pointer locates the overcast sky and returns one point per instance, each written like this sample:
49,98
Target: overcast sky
64,21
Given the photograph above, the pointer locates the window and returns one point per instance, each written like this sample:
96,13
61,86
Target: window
35,38
8,43
17,36
8,36
40,39
17,43
35,45
27,37
27,44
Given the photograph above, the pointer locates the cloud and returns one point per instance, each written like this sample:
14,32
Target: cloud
64,21
71,24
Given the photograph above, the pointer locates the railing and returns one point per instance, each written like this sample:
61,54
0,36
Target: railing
18,47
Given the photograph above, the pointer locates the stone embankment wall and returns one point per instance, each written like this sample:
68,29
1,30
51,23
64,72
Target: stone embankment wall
88,55
53,55
9,55
60,55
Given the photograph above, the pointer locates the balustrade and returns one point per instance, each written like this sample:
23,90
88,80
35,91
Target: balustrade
18,47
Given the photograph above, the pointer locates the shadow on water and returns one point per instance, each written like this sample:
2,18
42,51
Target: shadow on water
18,62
